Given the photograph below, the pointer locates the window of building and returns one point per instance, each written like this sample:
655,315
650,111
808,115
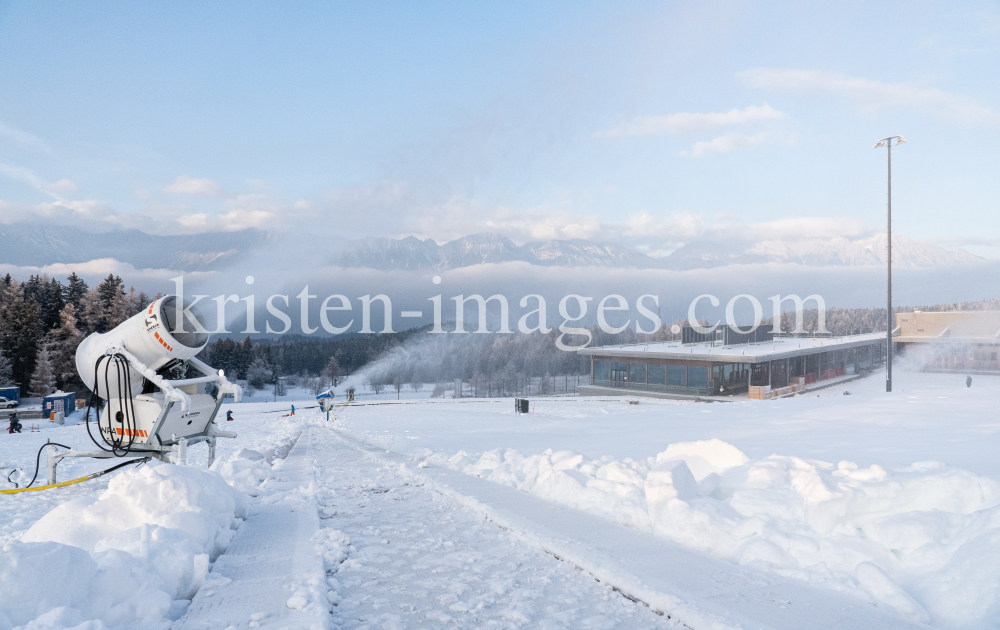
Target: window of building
637,373
656,373
677,376
698,377
602,371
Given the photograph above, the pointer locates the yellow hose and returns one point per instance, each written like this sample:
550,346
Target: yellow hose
61,484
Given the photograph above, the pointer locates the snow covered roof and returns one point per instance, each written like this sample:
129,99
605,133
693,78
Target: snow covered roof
779,348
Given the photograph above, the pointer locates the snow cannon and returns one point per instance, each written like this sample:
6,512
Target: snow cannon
159,397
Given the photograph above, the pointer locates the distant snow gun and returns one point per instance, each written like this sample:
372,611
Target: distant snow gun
326,403
138,377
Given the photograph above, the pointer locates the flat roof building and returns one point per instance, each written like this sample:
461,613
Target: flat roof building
761,367
953,341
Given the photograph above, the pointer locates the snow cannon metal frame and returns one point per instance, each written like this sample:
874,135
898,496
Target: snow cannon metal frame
326,402
146,413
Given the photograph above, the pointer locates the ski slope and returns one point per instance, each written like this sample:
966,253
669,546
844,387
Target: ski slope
591,513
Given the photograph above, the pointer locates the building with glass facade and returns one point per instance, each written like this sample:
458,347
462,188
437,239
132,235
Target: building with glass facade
715,368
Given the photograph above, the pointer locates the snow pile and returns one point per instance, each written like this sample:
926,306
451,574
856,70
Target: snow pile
132,557
334,546
246,470
924,540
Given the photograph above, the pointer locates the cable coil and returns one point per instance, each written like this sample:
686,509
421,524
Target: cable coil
125,415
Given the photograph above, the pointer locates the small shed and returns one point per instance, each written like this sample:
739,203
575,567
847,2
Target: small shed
11,392
59,402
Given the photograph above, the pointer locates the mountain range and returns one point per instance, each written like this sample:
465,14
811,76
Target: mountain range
36,245
413,253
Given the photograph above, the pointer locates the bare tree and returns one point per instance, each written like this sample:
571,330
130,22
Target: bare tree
316,385
333,372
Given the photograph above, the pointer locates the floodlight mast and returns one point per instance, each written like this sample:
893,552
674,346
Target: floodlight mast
887,142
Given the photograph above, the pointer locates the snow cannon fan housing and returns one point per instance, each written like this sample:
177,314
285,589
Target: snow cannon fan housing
130,367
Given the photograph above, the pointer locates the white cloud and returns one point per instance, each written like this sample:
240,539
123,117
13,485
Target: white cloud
100,268
725,144
245,211
392,209
23,174
800,228
688,123
63,187
29,177
23,138
228,222
85,213
871,94
239,213
185,185
963,241
396,210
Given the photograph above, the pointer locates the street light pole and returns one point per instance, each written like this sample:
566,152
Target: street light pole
887,142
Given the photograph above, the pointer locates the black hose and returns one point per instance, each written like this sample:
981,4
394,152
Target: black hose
38,460
139,460
125,406
90,405
38,457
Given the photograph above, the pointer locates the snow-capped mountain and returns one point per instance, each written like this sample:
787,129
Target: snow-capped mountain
578,252
412,253
390,253
24,244
477,249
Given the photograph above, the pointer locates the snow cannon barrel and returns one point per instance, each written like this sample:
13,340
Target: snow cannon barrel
157,336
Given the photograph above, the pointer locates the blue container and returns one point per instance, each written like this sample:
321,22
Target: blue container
11,392
63,401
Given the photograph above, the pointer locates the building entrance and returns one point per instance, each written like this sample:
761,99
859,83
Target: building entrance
619,377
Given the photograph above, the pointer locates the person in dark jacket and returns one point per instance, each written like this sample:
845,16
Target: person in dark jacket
15,424
229,416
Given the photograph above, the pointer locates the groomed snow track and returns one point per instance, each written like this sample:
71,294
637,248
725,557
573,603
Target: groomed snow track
405,547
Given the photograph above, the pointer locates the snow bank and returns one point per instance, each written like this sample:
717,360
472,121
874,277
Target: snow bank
923,541
246,470
132,557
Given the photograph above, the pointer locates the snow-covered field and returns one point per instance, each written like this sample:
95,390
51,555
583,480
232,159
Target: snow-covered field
860,510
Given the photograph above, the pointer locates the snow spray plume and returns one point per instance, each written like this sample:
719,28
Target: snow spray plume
501,362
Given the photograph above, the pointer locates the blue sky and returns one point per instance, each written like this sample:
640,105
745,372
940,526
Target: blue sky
646,124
